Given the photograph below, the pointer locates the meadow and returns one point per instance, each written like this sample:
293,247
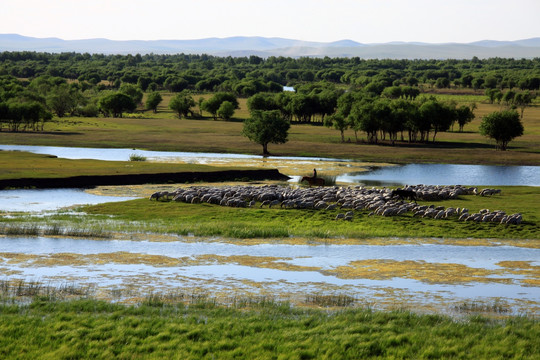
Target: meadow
162,131
157,327
249,329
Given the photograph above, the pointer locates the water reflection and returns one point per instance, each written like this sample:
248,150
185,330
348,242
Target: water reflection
281,269
50,199
448,174
347,171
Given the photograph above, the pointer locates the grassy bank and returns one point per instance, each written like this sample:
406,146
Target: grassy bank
265,330
18,164
214,220
162,131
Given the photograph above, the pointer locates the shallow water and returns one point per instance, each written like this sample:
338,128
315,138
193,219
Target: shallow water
345,171
448,174
281,269
50,199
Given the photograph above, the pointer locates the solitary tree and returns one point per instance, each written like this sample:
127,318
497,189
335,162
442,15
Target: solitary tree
464,115
153,100
503,126
264,127
226,110
181,104
338,122
116,103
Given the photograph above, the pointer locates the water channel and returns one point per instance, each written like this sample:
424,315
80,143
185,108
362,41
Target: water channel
345,171
421,274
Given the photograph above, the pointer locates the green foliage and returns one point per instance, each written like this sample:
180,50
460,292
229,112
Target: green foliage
213,104
116,104
133,91
502,126
182,104
226,110
153,100
264,127
262,330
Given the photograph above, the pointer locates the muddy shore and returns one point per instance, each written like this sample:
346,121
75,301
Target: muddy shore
138,179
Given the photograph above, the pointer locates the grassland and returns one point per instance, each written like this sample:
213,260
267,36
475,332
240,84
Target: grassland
251,328
18,164
143,215
264,330
162,131
211,220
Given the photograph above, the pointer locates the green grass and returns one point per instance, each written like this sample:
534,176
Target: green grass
99,330
18,164
214,220
163,131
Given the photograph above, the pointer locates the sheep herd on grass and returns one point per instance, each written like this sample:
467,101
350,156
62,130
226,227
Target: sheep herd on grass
383,201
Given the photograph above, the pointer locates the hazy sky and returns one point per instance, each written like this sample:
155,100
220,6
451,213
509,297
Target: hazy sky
365,21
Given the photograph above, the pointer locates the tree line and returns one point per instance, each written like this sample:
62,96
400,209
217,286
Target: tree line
246,76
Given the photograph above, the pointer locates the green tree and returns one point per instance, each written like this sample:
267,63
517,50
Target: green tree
226,110
116,104
464,115
523,99
153,100
363,118
61,100
265,127
212,104
181,104
338,122
133,91
502,126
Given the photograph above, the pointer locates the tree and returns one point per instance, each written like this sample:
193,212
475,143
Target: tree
465,114
503,126
181,104
212,104
61,100
226,110
522,100
116,104
265,127
133,91
338,122
362,117
153,100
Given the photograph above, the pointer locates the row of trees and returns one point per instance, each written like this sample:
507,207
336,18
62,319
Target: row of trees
382,118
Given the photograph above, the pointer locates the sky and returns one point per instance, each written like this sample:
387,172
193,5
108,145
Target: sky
364,21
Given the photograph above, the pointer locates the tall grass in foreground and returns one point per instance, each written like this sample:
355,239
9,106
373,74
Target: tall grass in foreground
252,328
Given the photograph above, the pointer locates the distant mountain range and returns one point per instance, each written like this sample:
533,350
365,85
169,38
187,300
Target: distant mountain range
265,47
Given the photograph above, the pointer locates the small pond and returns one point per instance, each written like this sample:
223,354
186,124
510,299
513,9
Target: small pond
504,274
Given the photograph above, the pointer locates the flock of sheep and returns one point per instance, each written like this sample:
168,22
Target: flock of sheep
378,201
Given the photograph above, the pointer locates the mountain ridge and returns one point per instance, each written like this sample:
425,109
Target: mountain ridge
276,46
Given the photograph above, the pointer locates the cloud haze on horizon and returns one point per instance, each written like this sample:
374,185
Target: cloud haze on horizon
365,21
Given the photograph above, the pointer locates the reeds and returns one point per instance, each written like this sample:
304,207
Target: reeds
136,157
53,230
332,300
19,290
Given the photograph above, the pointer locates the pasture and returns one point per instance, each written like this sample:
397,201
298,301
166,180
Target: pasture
195,325
163,131
248,329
